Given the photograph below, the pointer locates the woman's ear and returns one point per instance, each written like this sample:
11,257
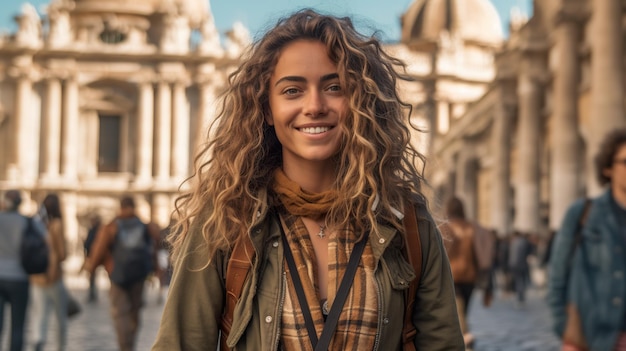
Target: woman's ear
269,119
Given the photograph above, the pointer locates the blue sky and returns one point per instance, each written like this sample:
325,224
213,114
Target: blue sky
382,15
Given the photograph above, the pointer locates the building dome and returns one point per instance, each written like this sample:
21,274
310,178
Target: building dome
473,20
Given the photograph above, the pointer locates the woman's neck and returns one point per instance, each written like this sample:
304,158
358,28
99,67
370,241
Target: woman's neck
312,178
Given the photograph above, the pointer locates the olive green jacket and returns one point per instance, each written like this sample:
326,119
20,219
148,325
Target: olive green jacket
192,313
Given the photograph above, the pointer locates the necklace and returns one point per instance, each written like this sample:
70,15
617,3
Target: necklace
321,234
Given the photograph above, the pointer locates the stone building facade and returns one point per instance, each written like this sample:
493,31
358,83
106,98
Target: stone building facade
523,151
104,98
101,98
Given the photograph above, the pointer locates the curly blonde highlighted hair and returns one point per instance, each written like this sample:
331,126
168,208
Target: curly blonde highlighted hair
376,162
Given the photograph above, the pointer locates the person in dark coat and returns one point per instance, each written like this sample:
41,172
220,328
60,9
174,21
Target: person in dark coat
519,250
96,221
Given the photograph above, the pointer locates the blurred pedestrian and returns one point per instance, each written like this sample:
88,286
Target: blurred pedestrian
547,249
471,250
502,265
164,262
14,284
95,222
126,247
587,290
520,249
49,294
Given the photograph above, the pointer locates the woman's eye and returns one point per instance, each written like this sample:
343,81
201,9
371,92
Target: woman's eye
334,88
291,91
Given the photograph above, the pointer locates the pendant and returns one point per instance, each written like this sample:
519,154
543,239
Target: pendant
325,309
321,234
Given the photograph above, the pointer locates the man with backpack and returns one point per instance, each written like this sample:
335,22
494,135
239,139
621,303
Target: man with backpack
14,284
127,249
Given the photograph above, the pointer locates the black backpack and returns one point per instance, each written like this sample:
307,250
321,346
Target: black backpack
34,251
132,252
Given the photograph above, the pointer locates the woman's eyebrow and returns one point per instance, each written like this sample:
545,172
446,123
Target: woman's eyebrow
300,79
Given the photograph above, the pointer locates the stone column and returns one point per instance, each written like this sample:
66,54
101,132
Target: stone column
209,81
90,140
52,129
70,127
566,143
180,133
26,149
207,101
527,189
607,80
430,112
470,200
161,209
466,182
69,205
461,175
145,131
501,172
162,131
451,184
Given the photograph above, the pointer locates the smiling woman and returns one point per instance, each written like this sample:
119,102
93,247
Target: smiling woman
291,236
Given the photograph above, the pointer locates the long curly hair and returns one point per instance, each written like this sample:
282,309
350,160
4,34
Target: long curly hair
376,163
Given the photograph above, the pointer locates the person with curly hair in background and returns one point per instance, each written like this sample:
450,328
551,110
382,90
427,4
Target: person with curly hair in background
309,158
586,290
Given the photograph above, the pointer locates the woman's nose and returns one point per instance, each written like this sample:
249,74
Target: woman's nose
315,104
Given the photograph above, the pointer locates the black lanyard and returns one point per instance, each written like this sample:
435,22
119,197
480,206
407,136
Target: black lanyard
340,298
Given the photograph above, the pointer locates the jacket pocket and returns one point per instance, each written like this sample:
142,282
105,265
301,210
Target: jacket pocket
399,271
595,249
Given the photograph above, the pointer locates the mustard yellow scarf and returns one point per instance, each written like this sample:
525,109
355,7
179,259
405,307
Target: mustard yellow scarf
300,202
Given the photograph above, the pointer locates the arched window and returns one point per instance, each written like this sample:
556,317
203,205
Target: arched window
112,36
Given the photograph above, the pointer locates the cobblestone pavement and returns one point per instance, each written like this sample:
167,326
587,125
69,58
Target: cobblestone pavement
503,327
500,327
92,329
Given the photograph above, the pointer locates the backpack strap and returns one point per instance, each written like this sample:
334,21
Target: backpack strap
581,223
414,255
237,271
578,234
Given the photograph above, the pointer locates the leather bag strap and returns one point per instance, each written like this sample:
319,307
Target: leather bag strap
239,266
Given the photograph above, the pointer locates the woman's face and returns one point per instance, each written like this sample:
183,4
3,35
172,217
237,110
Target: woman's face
307,104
